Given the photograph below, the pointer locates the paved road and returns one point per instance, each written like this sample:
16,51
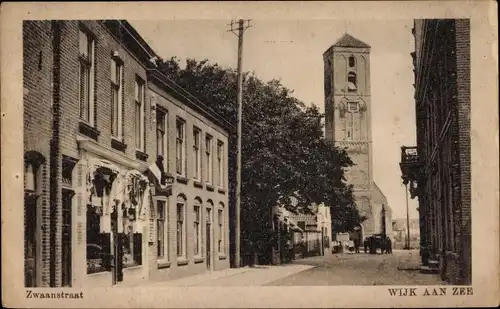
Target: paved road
399,268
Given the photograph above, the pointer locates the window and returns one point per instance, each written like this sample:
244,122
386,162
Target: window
220,230
86,57
160,229
197,231
116,99
161,143
30,177
139,113
196,153
301,224
351,81
352,61
180,147
220,160
350,125
208,157
98,244
132,248
180,228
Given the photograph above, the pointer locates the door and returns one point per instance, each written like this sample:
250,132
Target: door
66,238
208,234
30,242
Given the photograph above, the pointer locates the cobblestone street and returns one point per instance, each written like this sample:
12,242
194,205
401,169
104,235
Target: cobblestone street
400,268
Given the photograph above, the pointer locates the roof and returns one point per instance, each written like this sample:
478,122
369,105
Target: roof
141,49
348,40
307,218
186,98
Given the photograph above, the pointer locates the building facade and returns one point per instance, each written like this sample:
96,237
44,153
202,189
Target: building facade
437,170
90,139
302,234
348,124
400,230
192,225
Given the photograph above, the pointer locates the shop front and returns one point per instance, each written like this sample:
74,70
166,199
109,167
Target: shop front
111,223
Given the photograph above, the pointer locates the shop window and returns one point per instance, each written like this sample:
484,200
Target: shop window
98,244
98,235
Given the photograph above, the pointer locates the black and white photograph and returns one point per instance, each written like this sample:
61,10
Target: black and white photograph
219,153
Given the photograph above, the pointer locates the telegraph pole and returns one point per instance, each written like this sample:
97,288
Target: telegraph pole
239,28
407,220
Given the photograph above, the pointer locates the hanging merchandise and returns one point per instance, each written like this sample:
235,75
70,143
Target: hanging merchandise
133,191
145,203
116,193
132,213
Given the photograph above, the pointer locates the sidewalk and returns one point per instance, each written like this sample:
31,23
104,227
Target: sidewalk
245,276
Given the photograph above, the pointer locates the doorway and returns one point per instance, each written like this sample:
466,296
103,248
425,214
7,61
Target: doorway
30,240
66,237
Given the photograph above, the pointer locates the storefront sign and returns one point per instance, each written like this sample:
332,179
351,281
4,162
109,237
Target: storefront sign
169,180
151,230
79,233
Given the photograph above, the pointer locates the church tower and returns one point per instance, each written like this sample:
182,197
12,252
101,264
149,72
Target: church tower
348,118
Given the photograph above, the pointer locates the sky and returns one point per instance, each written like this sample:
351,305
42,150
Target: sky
292,51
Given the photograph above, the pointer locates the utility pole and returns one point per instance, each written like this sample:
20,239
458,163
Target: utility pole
239,28
407,220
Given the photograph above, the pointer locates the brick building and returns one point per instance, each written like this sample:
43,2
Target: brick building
348,123
437,170
91,137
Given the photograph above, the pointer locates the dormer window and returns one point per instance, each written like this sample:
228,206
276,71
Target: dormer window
352,61
351,82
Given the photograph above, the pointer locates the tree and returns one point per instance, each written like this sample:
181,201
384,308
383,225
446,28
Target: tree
284,153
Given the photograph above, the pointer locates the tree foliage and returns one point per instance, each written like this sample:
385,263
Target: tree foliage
284,153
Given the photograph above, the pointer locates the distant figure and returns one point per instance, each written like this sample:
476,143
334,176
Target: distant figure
365,245
389,245
350,246
383,245
356,245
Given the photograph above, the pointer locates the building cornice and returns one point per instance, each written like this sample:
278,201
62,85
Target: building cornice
114,156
